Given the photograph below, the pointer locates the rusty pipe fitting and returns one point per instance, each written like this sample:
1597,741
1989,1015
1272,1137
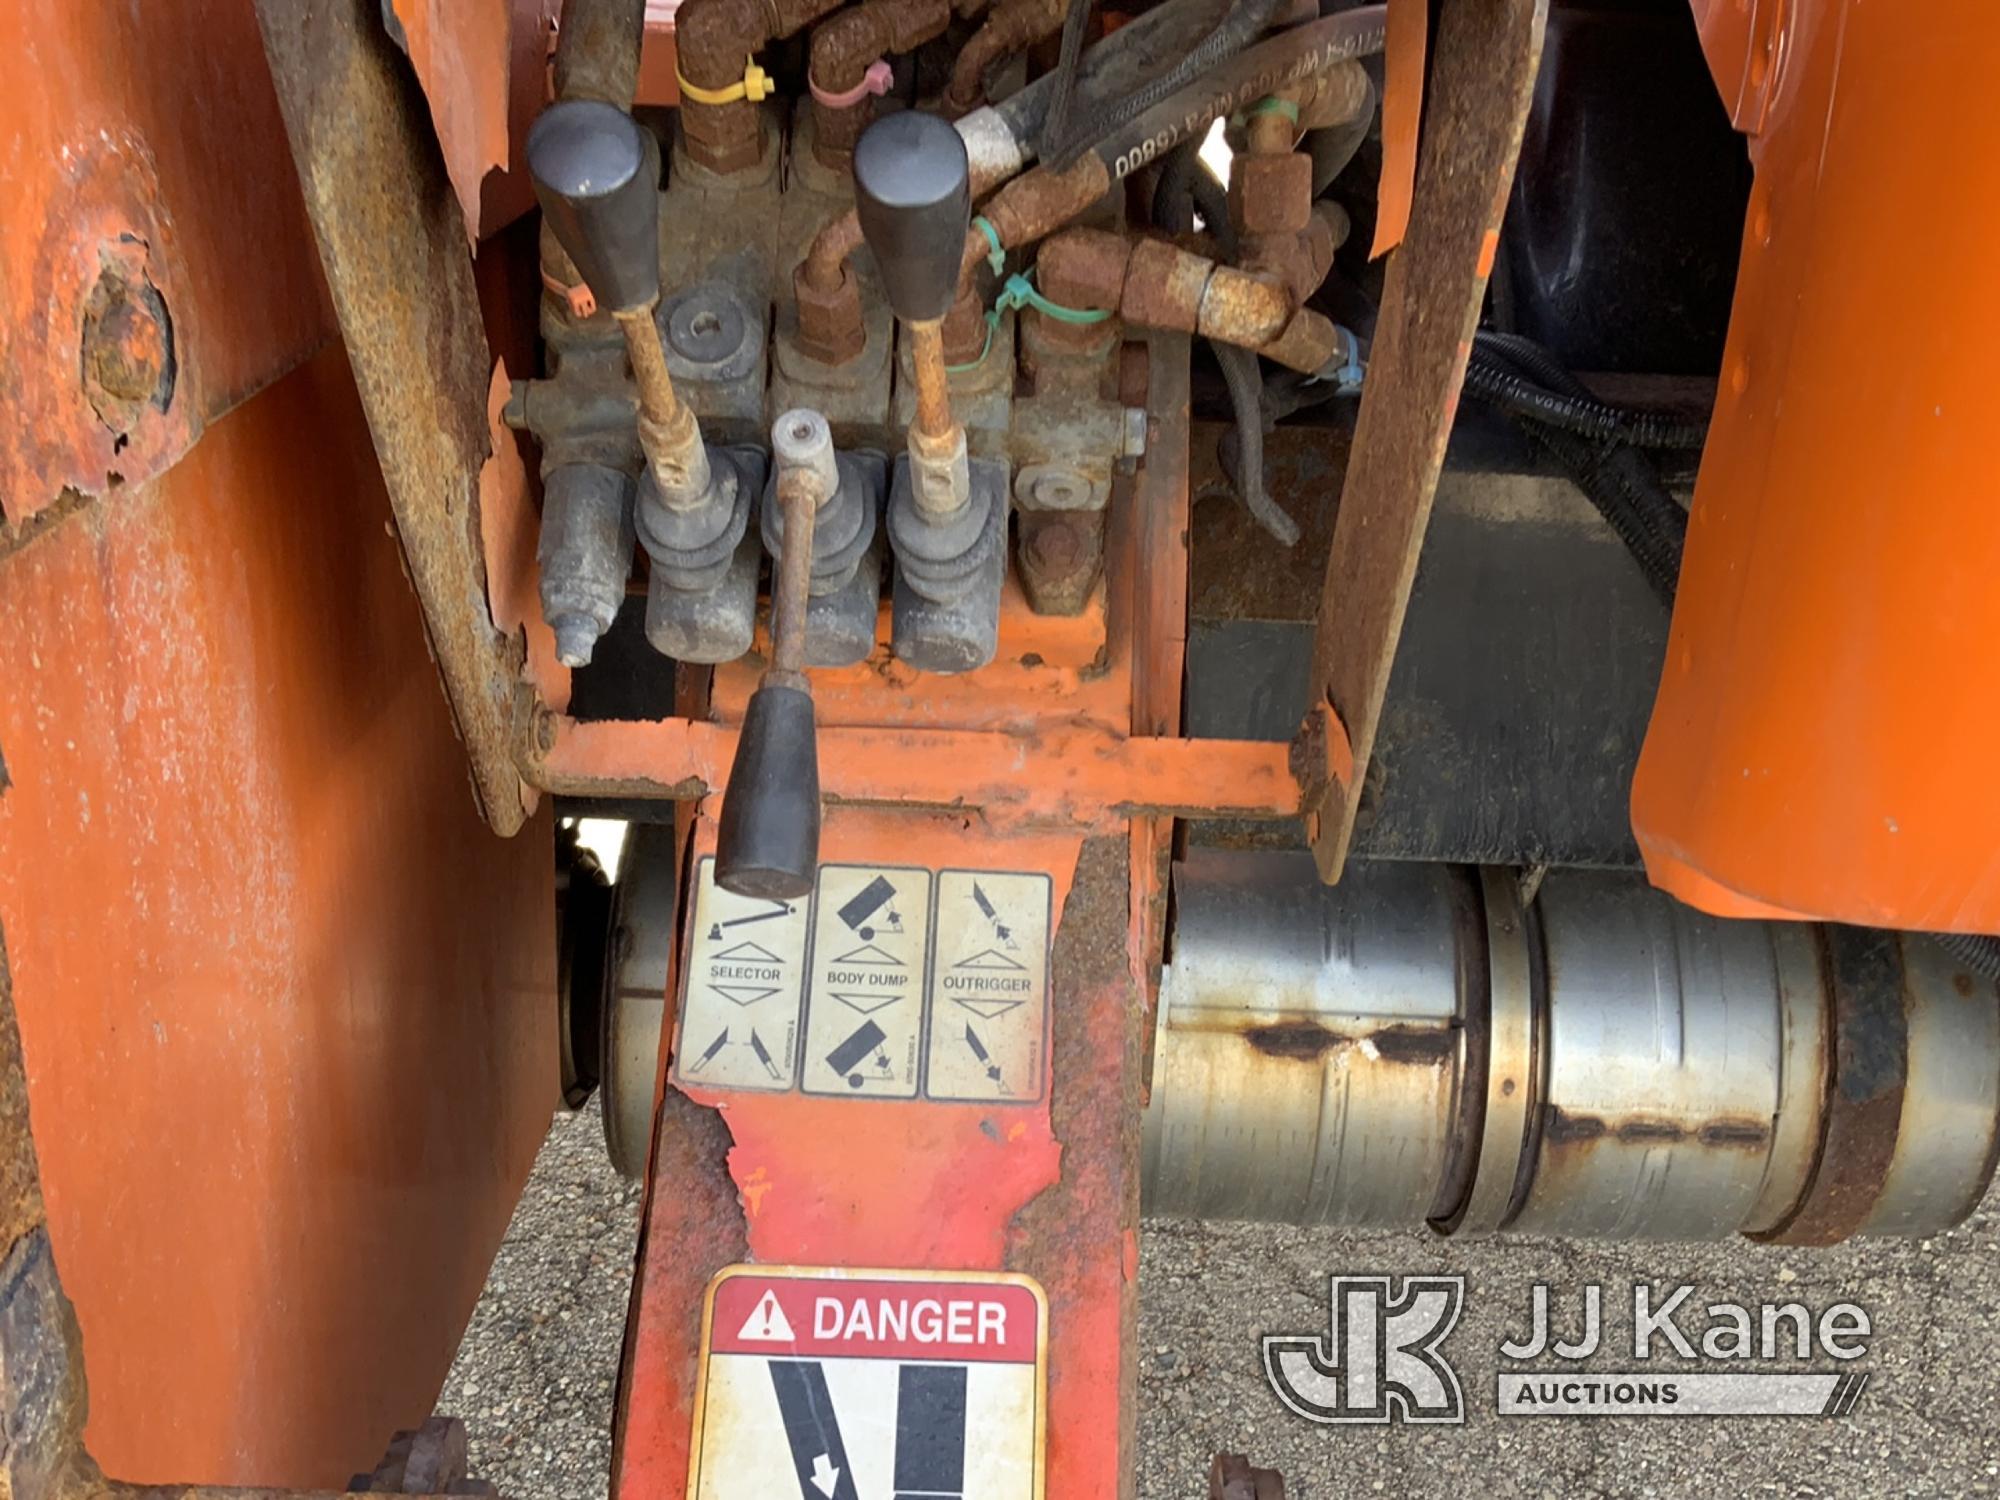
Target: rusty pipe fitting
597,50
1014,24
1082,270
1156,284
831,329
965,332
1337,96
1035,204
845,47
716,41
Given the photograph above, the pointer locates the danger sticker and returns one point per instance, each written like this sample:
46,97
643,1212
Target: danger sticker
832,1384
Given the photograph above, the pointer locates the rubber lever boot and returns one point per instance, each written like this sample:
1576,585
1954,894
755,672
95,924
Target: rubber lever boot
913,194
588,161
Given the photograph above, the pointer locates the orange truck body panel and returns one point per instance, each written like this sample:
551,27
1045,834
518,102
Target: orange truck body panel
1823,741
286,1003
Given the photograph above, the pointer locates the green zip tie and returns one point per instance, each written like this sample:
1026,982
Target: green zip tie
992,322
996,257
1270,105
1019,291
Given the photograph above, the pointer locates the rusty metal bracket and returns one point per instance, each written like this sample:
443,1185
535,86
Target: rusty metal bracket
392,240
1483,74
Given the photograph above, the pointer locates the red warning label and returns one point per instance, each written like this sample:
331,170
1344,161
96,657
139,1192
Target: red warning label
962,1321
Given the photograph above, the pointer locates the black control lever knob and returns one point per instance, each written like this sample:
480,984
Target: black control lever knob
913,193
767,844
592,176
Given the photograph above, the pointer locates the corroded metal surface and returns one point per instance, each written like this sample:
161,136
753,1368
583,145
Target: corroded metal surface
393,243
247,904
1277,995
1080,1237
1407,1046
1061,772
126,190
1481,79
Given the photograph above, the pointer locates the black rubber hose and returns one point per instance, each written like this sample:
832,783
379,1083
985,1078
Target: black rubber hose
1252,74
1584,416
1589,467
1334,147
1979,954
1055,123
1630,468
1239,25
1123,61
1619,481
1244,377
1188,186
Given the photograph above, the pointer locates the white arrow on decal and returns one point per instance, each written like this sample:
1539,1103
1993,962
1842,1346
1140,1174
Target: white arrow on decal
825,1476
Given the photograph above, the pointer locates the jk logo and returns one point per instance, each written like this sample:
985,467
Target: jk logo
1380,1360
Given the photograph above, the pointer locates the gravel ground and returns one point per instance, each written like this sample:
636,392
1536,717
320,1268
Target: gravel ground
534,1377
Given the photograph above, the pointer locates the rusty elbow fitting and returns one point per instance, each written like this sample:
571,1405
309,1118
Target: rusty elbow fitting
831,329
1156,284
1085,268
844,49
1035,204
715,40
848,52
1014,24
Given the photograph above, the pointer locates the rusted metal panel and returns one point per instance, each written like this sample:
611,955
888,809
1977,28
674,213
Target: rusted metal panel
393,244
1063,773
163,171
1865,1096
484,66
1080,1237
1481,79
286,1004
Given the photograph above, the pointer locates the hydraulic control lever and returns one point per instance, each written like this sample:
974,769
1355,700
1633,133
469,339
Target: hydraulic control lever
595,173
947,513
913,194
767,844
589,164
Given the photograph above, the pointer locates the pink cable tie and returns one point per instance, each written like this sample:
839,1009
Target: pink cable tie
875,81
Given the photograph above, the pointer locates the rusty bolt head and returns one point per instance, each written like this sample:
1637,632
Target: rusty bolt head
128,347
830,326
1061,556
1054,545
1271,194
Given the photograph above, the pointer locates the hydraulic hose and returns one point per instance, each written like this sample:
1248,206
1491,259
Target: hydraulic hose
1618,480
1582,416
1188,187
1632,468
1240,25
1244,377
1120,63
1237,81
1335,146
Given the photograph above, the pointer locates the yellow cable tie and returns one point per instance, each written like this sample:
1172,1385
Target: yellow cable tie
756,85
